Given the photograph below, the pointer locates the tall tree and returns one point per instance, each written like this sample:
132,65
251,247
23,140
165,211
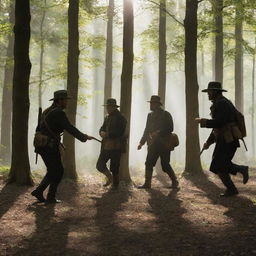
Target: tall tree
193,163
239,90
219,58
72,86
126,78
5,148
109,52
253,100
20,167
162,51
41,59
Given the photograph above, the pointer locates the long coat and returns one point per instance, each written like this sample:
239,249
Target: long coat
223,113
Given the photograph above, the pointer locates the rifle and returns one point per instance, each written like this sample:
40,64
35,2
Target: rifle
96,139
201,152
38,125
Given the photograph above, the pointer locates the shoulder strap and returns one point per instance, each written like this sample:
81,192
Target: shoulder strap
48,127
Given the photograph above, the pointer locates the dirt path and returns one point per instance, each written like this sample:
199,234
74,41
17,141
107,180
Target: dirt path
93,221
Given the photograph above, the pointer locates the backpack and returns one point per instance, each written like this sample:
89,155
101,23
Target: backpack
240,121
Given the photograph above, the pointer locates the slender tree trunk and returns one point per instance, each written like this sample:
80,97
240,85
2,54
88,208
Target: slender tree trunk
41,60
219,58
253,104
109,53
193,164
162,51
126,78
5,145
162,48
72,86
20,167
239,90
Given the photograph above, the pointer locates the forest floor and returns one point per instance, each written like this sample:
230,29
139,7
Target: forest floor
94,221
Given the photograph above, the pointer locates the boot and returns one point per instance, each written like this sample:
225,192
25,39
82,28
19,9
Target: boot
148,179
115,181
172,176
231,188
245,172
38,195
38,192
108,177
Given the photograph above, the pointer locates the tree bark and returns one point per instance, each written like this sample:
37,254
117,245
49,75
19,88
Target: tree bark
41,59
72,86
239,90
109,53
162,51
20,167
5,145
193,163
253,103
126,79
219,57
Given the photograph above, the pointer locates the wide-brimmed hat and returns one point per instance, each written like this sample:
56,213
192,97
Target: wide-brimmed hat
156,99
111,102
60,95
214,86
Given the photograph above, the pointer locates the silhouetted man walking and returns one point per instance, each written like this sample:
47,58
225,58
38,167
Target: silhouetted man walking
223,119
112,133
159,125
53,123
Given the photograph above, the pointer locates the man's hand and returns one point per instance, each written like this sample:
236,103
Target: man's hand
103,134
206,146
139,147
198,120
201,121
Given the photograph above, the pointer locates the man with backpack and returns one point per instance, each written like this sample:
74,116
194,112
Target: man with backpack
47,144
226,134
159,128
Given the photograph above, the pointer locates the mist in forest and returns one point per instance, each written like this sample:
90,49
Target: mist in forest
90,113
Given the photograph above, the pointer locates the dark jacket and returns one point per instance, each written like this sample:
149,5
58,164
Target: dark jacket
223,113
157,121
114,125
58,122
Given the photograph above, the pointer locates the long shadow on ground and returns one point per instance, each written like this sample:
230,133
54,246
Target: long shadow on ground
240,238
9,195
168,234
111,236
51,233
176,235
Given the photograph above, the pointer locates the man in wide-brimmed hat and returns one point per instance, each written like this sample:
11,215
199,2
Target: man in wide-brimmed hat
53,123
223,115
113,137
159,125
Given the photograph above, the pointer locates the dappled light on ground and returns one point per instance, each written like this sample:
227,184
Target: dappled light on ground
160,221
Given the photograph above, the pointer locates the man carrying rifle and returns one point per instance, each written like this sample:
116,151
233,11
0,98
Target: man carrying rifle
113,137
47,144
224,125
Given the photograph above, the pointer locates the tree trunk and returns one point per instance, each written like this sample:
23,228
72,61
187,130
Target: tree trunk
41,60
109,53
5,145
193,163
162,51
126,78
72,86
20,168
253,104
239,90
219,58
